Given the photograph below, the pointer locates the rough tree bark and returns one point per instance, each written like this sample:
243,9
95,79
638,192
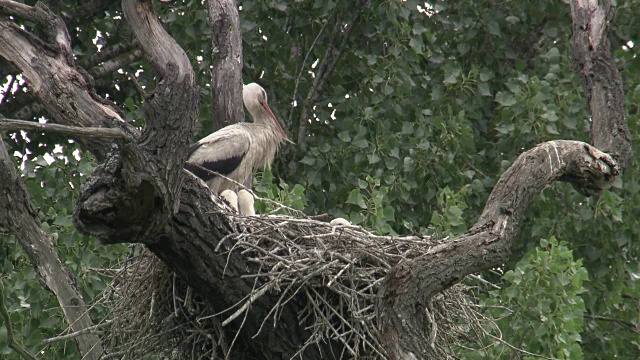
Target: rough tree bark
140,193
226,57
600,78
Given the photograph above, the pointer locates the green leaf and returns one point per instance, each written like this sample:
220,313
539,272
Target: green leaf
484,90
355,198
505,99
344,136
408,164
418,28
451,75
417,44
553,54
493,28
512,19
308,160
551,129
361,143
63,220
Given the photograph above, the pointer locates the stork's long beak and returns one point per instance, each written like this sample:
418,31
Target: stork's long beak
276,122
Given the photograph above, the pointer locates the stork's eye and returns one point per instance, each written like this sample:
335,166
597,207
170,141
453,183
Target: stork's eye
264,95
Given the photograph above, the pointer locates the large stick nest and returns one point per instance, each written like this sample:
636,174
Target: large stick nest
336,270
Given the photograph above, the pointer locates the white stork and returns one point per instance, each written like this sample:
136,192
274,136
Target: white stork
235,150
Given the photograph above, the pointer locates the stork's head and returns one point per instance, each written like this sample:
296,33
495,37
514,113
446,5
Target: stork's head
255,99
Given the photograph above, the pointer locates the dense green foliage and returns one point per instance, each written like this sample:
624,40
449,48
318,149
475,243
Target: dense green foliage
540,305
427,106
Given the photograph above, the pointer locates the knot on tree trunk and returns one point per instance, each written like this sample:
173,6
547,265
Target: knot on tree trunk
113,209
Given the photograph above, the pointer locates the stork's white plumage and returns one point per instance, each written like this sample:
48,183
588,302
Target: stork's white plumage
340,222
245,203
235,150
231,198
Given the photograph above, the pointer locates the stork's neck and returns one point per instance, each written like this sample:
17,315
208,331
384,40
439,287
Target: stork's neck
262,115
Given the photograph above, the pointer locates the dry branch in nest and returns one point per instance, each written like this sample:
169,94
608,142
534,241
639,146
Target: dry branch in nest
335,270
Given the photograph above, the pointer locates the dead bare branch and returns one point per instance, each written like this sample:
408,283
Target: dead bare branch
105,133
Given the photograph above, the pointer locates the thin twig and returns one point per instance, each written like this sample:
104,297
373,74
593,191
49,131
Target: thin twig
254,296
72,335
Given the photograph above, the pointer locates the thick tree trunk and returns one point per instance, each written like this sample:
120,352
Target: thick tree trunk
600,78
226,56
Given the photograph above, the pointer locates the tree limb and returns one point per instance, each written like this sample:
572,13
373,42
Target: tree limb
49,68
24,105
17,215
97,132
114,64
109,53
626,324
408,288
74,335
171,113
410,285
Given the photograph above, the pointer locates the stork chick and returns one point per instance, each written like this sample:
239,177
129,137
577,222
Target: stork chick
245,203
235,150
340,222
231,198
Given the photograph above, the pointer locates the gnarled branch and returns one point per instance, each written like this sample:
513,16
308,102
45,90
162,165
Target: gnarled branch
408,288
49,68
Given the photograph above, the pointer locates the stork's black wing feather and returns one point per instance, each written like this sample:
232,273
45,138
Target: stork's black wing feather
193,148
221,152
223,167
